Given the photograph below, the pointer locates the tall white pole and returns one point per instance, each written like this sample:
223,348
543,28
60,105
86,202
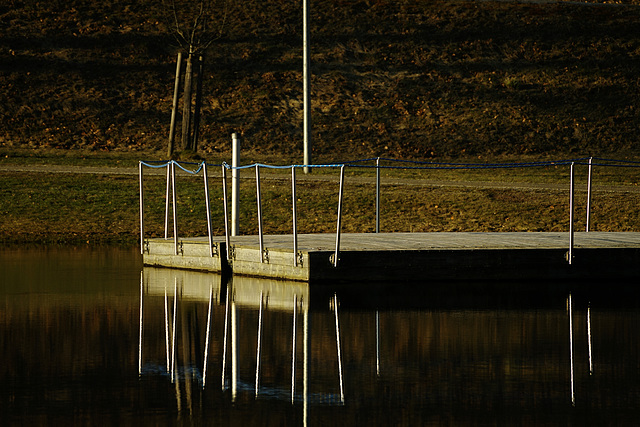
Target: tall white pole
306,98
235,184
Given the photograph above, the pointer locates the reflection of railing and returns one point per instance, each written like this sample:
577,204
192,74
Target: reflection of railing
390,164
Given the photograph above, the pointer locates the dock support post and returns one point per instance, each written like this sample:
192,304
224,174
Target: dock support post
235,184
336,254
378,195
571,191
294,216
225,208
259,202
589,195
175,211
206,199
141,208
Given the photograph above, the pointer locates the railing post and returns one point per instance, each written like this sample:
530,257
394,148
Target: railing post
378,195
175,210
294,216
225,208
167,202
206,198
571,194
141,208
336,254
259,201
235,185
589,195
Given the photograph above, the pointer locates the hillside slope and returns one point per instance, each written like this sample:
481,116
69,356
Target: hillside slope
405,79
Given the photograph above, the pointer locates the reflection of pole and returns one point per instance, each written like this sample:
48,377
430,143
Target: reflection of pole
570,308
377,342
259,346
589,337
224,345
140,345
234,352
335,309
173,336
305,364
166,326
293,354
206,342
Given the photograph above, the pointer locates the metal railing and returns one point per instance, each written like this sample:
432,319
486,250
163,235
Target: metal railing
171,199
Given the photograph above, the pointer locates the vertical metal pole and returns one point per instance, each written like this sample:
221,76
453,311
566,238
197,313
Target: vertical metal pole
571,190
259,201
226,211
141,208
570,307
206,198
167,203
335,309
206,341
378,195
306,95
140,345
259,347
293,353
339,225
175,210
589,195
294,216
235,185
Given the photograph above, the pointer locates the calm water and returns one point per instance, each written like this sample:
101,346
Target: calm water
87,336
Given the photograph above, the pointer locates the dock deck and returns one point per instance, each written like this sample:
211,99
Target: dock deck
410,256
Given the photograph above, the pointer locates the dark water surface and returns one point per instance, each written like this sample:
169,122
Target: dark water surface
89,337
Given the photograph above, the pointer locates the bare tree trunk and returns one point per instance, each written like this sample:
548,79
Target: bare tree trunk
186,107
196,113
174,107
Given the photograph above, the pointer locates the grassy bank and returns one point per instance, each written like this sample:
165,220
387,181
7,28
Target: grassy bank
103,208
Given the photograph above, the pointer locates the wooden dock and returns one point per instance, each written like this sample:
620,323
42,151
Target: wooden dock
409,256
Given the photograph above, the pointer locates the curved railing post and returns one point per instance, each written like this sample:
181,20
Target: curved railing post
294,216
141,208
336,254
226,213
589,195
378,195
175,210
571,194
259,201
206,198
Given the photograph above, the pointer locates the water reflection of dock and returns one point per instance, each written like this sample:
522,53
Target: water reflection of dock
264,339
409,256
